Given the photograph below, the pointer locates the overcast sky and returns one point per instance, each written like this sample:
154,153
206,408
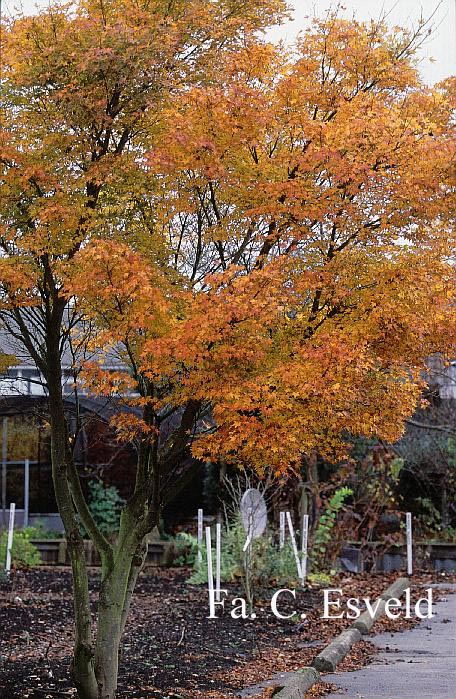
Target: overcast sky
439,52
438,55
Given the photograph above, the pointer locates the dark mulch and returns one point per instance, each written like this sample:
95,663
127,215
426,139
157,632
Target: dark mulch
170,649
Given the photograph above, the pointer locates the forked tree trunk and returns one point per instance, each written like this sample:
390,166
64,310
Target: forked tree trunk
117,585
96,649
94,667
82,667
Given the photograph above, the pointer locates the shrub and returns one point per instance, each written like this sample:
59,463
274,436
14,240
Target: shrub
324,532
105,504
23,552
267,564
229,569
39,531
186,549
319,578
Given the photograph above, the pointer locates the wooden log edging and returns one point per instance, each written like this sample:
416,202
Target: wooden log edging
297,685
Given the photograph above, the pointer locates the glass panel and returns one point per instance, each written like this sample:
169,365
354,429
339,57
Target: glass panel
23,437
41,489
15,485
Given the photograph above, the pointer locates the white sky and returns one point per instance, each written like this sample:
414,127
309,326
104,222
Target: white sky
440,47
439,52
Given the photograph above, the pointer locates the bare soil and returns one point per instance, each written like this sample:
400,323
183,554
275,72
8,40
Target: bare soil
171,649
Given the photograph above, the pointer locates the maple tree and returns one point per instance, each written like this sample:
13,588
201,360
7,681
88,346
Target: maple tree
264,239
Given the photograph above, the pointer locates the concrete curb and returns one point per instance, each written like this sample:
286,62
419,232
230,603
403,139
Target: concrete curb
365,622
330,657
300,682
335,652
396,589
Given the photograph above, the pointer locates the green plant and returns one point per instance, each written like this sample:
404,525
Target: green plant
281,565
23,552
233,538
267,565
324,532
448,534
186,548
429,518
320,578
39,531
105,504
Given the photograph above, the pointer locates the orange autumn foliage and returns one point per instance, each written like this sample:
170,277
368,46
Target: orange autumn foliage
272,242
249,250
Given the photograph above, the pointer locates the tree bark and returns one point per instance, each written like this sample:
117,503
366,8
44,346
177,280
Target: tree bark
95,663
118,581
82,667
314,489
110,609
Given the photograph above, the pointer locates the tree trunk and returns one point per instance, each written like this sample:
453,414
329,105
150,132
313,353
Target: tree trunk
314,489
444,505
108,639
82,667
119,576
95,665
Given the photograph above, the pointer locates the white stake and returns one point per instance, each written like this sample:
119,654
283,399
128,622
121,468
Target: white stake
26,492
295,548
9,544
249,537
248,541
282,530
304,542
218,559
200,536
408,520
210,575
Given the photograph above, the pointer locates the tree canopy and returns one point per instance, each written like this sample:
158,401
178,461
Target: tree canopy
263,236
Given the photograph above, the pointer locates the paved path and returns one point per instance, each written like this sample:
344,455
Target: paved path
418,664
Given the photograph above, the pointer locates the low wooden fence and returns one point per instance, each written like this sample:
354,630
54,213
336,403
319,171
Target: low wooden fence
439,556
54,552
